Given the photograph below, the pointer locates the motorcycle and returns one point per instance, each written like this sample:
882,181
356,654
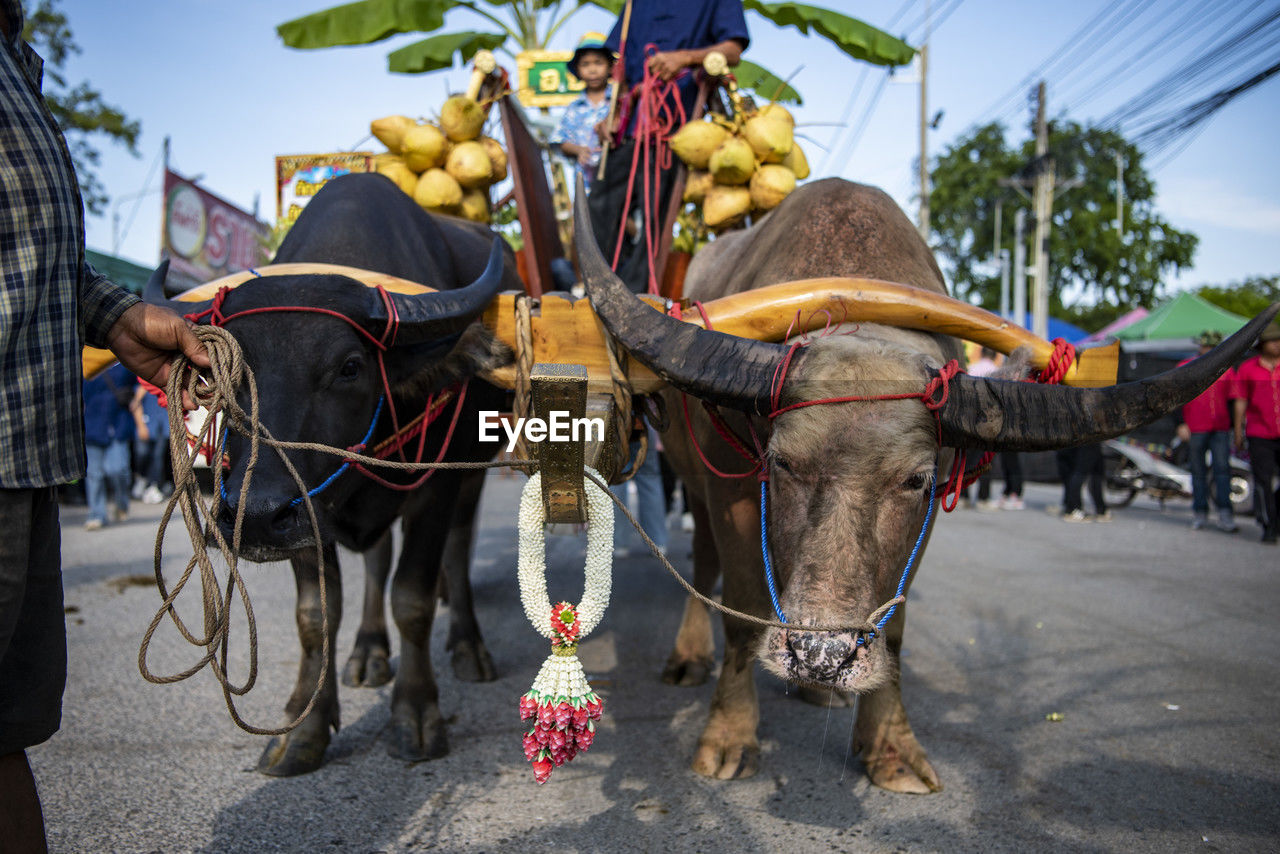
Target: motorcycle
1132,469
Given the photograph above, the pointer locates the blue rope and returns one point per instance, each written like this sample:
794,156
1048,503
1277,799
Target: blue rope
764,549
902,582
329,480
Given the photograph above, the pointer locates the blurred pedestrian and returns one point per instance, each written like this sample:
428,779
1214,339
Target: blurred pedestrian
1206,426
108,434
151,446
52,299
1255,396
1078,466
985,366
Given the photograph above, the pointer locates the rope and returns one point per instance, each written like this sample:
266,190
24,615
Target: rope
523,403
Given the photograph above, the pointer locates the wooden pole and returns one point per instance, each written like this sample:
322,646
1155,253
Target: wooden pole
618,83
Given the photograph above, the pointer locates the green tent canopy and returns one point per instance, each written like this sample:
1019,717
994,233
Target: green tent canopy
1183,317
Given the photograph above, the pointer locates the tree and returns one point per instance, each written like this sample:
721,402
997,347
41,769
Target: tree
1095,274
79,110
1246,298
530,25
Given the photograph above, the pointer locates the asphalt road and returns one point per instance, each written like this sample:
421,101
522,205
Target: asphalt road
1156,645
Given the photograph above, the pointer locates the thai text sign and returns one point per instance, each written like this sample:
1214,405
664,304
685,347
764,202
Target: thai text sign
204,236
300,176
545,80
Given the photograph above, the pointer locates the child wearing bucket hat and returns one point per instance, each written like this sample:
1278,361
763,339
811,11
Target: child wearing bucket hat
576,134
1256,415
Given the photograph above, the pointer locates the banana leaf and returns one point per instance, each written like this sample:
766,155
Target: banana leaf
765,83
365,22
437,52
855,38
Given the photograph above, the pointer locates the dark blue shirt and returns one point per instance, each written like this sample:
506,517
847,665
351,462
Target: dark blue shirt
107,417
677,25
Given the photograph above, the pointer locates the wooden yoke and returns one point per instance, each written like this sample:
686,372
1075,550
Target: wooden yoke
577,436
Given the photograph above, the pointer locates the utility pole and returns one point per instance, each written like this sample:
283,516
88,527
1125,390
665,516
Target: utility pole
999,257
1020,267
1004,283
924,125
1119,196
1044,215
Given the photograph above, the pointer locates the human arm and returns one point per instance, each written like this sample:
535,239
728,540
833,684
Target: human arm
139,417
145,338
666,65
581,153
1237,422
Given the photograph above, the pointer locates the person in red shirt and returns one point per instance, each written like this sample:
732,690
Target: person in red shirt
1256,420
1206,426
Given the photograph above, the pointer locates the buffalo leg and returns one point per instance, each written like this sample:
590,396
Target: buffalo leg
471,660
693,657
729,747
370,665
417,729
302,749
893,757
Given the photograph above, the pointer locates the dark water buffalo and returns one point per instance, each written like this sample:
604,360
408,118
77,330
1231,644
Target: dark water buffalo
319,380
849,483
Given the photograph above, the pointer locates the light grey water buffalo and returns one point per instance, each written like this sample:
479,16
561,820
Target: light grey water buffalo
849,484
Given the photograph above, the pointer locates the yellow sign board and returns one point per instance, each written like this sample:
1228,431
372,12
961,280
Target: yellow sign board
544,78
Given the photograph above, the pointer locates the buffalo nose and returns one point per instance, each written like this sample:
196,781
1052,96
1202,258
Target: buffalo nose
818,655
260,522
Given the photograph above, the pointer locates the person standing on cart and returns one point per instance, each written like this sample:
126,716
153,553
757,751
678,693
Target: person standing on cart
664,41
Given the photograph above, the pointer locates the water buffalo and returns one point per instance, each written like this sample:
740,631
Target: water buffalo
320,380
849,484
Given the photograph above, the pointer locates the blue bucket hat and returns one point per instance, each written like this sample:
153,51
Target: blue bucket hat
589,42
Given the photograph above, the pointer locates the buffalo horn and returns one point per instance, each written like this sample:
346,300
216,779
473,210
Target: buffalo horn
440,314
154,293
1004,415
724,369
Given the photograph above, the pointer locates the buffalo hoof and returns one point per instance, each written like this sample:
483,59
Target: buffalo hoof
687,671
367,668
726,759
908,772
827,698
414,739
293,753
472,662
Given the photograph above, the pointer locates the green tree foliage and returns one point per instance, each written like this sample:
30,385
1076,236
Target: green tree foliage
1095,274
518,25
1246,298
79,110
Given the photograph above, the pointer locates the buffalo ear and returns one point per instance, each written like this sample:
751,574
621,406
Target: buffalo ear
428,368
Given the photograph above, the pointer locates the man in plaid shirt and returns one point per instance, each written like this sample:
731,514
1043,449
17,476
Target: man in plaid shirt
51,302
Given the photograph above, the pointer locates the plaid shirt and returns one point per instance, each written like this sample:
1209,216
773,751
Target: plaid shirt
50,299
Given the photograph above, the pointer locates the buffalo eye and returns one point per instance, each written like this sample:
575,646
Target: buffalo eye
916,482
350,368
781,463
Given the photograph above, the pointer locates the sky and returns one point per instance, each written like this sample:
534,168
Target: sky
214,76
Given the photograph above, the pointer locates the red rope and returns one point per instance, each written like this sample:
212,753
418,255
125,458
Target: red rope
400,437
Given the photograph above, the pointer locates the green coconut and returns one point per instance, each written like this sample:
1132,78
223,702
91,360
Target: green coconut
725,205
390,131
770,138
423,148
797,162
497,158
475,205
470,166
461,119
695,142
394,168
733,162
696,186
437,191
770,185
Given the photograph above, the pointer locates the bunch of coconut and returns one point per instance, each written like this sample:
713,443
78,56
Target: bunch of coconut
447,166
740,167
